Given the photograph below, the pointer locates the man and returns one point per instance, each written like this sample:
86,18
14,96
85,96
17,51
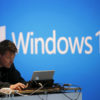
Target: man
9,76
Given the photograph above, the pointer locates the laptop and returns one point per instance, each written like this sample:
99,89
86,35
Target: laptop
45,78
43,75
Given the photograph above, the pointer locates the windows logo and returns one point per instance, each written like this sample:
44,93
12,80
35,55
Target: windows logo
2,33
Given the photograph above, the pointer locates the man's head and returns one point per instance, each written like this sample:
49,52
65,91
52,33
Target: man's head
7,53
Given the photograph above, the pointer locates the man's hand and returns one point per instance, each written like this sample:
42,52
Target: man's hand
18,86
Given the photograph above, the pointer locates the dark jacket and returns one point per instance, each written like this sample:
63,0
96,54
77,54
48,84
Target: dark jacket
9,76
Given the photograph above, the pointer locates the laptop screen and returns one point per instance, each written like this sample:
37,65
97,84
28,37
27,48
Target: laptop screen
43,75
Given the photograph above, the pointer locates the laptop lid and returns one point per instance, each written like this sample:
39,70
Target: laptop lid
43,75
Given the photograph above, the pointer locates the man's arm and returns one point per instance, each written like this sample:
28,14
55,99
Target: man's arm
17,82
4,84
17,86
15,76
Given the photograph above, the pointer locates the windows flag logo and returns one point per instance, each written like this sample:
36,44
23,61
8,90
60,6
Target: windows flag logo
2,33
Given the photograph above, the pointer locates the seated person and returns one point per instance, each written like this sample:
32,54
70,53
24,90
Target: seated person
9,75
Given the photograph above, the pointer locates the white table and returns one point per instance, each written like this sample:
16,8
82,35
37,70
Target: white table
54,96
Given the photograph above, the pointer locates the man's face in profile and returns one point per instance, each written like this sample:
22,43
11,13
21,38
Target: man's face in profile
7,59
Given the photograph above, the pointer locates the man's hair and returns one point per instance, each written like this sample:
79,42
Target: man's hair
7,45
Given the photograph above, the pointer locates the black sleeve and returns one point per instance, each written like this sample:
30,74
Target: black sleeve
4,84
15,76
